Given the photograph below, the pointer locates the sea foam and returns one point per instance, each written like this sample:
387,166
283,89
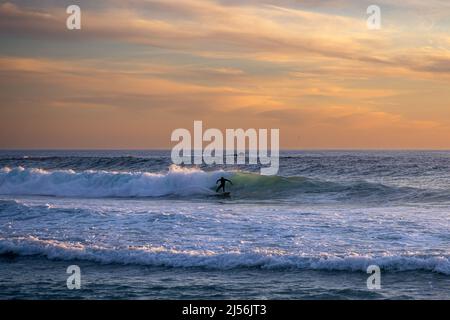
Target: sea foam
92,183
169,257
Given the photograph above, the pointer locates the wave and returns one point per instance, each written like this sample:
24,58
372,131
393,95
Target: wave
91,183
275,186
182,181
262,259
129,163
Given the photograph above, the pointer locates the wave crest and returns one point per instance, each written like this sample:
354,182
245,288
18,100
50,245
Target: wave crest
182,181
91,183
160,256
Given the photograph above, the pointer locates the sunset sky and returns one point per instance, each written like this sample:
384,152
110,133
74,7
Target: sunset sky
137,70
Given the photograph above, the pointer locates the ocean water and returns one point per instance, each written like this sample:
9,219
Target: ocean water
141,228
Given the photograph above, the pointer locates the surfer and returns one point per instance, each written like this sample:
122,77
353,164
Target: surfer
222,181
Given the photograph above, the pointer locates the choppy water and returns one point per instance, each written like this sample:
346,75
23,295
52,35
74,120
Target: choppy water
138,223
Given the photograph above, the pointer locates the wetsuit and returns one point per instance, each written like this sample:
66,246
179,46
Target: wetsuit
222,184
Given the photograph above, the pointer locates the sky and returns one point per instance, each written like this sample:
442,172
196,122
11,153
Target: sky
137,70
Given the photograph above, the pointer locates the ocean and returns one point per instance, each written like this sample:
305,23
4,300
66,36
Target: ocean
141,228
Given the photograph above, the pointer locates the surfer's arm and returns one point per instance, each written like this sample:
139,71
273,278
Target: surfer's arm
229,181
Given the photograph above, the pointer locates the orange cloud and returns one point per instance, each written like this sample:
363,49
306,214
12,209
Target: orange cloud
322,77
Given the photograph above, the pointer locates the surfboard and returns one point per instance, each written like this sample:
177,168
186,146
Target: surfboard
223,194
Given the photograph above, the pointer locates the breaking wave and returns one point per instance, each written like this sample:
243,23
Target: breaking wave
92,183
182,181
263,259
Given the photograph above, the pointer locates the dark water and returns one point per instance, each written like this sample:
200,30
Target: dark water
35,278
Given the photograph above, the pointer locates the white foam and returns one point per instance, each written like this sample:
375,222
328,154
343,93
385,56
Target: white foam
179,181
160,256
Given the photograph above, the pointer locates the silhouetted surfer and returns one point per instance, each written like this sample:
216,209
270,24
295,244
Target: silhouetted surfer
222,181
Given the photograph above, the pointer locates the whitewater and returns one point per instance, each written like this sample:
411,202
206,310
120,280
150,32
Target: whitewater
310,232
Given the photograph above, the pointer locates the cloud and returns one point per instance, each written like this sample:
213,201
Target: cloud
310,67
205,28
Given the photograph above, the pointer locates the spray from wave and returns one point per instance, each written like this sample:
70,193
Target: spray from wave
91,183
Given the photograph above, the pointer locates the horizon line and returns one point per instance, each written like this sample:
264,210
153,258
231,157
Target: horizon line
281,149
